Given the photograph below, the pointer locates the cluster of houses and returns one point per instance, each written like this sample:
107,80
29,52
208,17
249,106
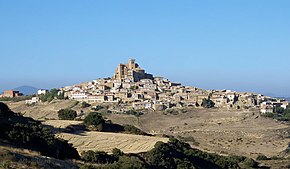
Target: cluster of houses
133,88
36,99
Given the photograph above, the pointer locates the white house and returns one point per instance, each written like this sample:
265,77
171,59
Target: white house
268,109
32,100
42,91
79,95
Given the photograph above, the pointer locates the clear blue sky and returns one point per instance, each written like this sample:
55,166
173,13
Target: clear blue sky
242,45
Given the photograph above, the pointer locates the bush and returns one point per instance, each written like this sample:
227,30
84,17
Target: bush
126,162
268,115
99,157
85,105
262,157
278,110
94,119
117,152
88,156
67,114
134,113
97,108
188,139
133,130
249,163
207,103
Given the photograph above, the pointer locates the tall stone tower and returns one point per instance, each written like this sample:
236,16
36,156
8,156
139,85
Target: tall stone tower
132,64
130,72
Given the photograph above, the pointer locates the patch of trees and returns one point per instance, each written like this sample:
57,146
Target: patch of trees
279,113
27,133
99,157
67,114
52,94
207,103
171,155
130,129
174,111
95,121
134,113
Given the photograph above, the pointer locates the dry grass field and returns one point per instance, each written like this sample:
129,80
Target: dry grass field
102,141
220,131
223,132
42,111
105,141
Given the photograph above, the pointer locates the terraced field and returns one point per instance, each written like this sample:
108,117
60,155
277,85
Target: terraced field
105,141
102,141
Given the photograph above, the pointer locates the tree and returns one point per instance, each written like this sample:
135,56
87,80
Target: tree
67,114
99,157
126,162
85,105
278,110
94,118
262,157
117,152
52,94
207,103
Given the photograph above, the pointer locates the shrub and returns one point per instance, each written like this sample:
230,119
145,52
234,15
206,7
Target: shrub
262,157
94,118
99,157
249,163
117,152
133,130
207,103
67,114
189,139
97,108
268,115
85,105
88,156
126,162
134,113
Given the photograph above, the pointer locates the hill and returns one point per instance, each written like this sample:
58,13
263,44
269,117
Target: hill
26,90
24,132
15,158
220,131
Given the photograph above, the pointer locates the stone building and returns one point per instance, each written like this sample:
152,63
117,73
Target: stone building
131,71
11,93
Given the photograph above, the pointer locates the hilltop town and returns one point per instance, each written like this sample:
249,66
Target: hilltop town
235,124
132,88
